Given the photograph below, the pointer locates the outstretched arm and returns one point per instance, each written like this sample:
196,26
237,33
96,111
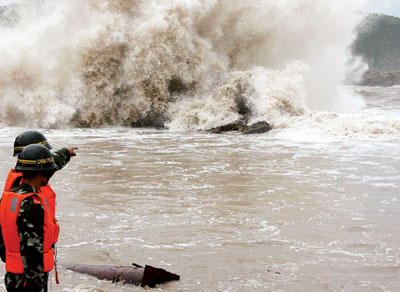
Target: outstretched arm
63,156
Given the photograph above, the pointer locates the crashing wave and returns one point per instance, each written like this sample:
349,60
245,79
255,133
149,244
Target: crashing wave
177,64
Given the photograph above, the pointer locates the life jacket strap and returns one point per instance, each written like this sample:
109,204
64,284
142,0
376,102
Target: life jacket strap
55,264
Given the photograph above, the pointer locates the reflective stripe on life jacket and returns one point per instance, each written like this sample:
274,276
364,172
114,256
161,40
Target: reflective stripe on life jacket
9,210
50,200
50,196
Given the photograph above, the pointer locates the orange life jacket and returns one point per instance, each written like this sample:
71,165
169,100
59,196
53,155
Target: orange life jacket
47,191
9,210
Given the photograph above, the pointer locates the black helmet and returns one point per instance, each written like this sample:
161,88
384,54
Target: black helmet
35,157
27,138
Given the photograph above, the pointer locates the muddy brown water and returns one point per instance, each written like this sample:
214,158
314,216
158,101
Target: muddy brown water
227,212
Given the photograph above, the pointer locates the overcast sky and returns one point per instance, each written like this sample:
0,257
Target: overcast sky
2,2
390,7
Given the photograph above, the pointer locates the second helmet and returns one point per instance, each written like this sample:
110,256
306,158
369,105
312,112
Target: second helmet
29,137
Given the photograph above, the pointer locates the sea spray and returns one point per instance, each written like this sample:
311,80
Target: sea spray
180,64
268,95
39,83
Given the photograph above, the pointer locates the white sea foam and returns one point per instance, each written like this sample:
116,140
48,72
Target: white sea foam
183,64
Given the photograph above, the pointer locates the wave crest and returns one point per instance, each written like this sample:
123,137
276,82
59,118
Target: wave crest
180,64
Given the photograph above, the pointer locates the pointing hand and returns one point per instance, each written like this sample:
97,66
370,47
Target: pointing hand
71,150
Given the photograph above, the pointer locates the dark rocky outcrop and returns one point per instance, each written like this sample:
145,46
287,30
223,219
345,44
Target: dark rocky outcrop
380,78
258,128
241,126
378,43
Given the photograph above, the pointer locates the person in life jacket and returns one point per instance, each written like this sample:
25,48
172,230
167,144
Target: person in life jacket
26,223
14,179
61,159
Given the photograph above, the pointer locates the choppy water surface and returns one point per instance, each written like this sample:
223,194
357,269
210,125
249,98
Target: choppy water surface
228,212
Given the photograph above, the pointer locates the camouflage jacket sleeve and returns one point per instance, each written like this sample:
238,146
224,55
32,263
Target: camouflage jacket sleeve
61,157
30,229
